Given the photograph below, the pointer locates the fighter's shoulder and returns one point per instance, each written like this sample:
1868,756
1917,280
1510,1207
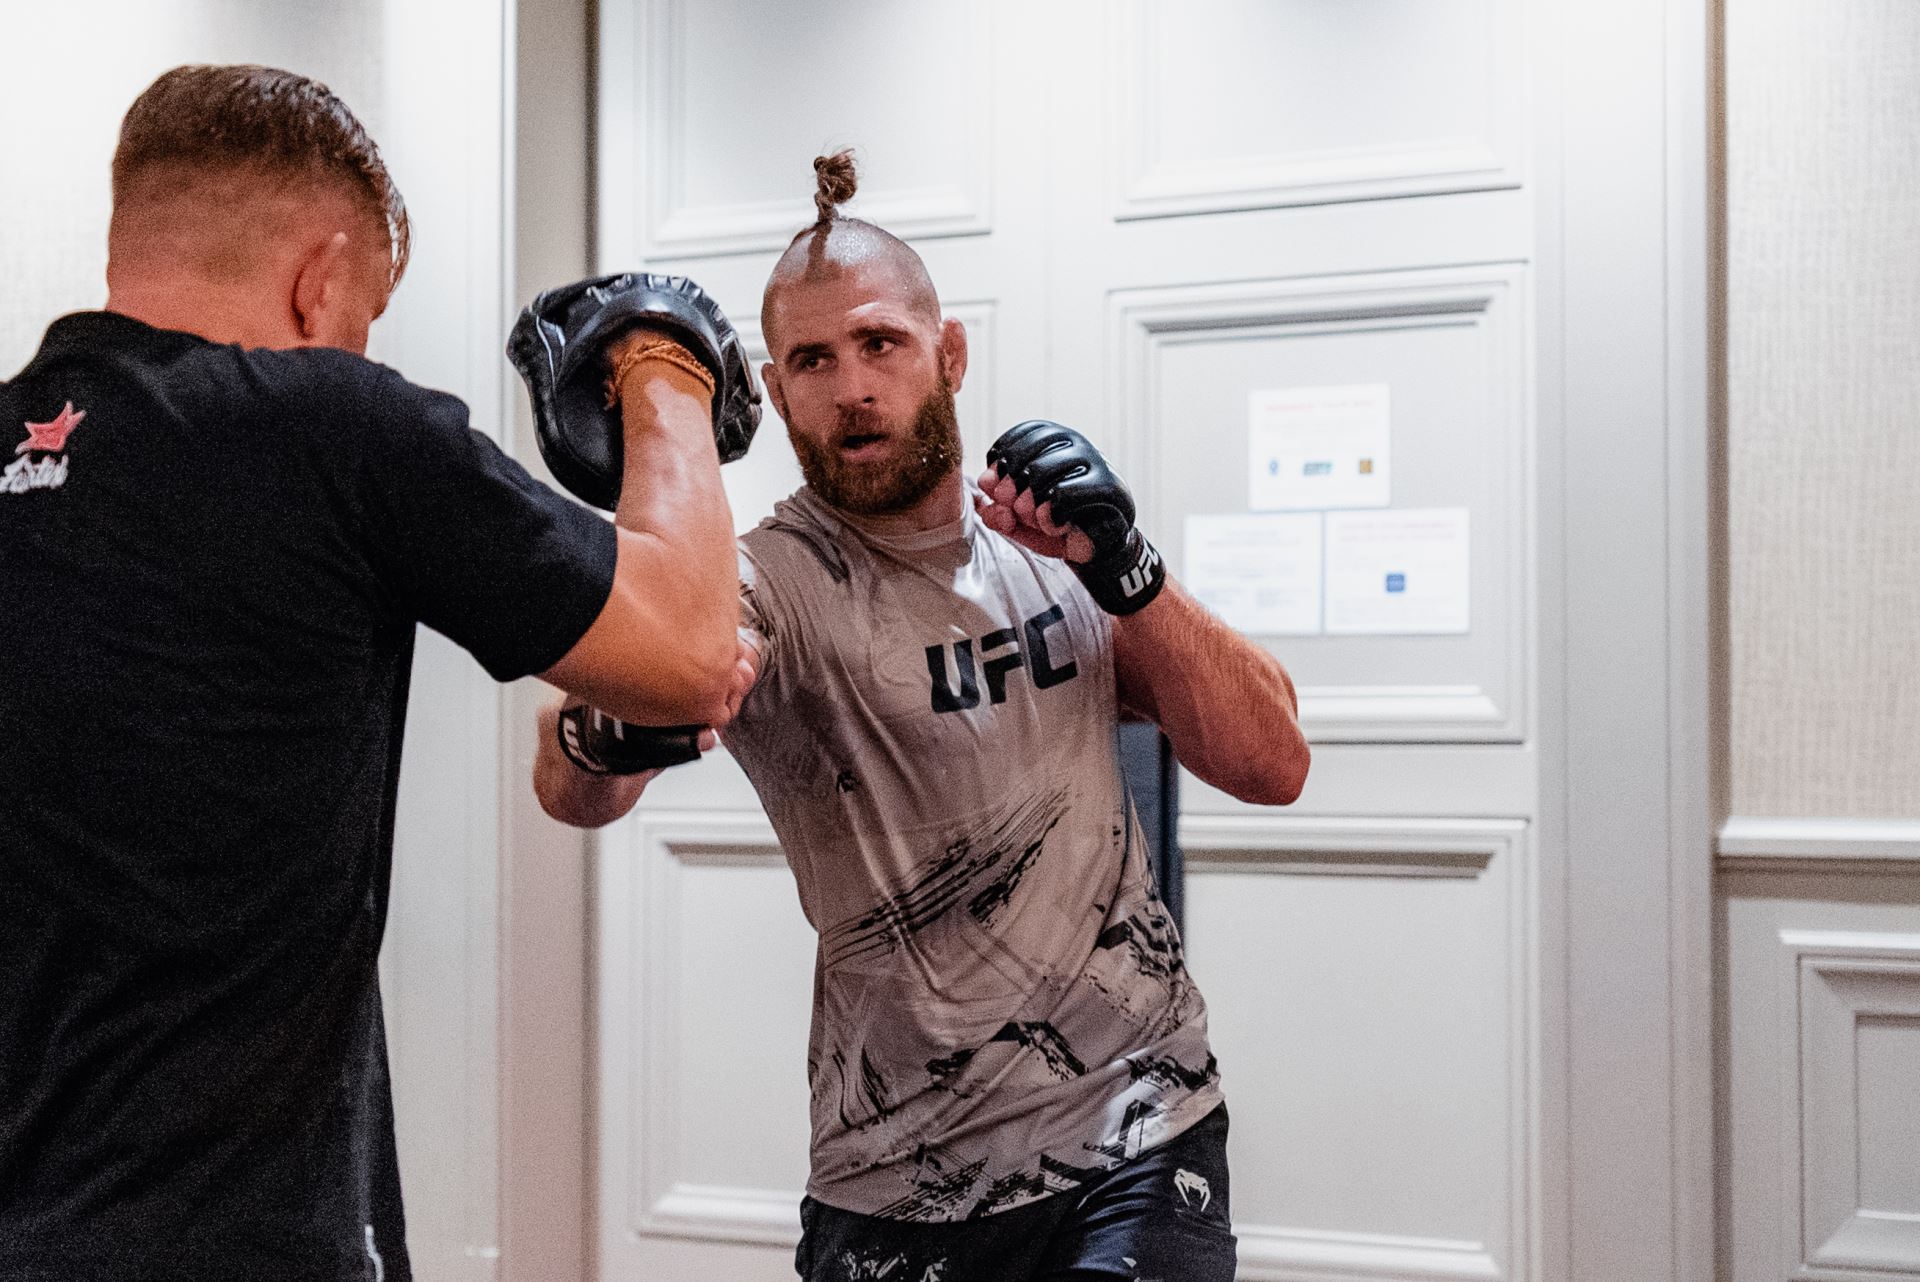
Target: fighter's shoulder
793,545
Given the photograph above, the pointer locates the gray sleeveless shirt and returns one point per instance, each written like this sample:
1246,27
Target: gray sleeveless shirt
1000,1005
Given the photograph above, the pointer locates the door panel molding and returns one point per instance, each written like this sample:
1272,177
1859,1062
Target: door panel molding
657,1181
645,69
1145,325
1395,855
1147,183
1286,1255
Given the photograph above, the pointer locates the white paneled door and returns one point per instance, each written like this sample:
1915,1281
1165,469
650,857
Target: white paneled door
1147,214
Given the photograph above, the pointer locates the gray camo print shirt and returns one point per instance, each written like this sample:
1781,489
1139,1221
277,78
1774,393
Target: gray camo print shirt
1001,1009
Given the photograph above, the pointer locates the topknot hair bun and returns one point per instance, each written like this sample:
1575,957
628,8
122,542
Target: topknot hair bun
835,182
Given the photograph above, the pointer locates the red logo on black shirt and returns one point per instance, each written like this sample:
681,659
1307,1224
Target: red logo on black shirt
45,439
51,436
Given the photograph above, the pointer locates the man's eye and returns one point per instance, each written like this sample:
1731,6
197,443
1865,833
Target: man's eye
878,346
812,362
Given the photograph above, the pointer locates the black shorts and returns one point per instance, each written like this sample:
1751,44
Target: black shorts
1163,1217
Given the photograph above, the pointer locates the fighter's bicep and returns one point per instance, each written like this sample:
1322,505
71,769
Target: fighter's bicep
761,632
746,669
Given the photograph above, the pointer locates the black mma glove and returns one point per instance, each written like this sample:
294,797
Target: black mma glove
560,344
1062,467
602,745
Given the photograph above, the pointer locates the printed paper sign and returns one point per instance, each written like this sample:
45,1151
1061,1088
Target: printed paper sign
1317,448
1260,573
1402,571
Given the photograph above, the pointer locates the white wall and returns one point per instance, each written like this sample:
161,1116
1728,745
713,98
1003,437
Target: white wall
63,90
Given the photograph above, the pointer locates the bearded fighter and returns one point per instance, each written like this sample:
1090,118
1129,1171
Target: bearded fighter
1009,1062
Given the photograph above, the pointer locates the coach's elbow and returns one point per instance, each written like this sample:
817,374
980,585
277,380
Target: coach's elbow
694,665
701,677
674,631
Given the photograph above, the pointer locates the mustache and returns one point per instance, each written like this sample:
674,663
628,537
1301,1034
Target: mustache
862,421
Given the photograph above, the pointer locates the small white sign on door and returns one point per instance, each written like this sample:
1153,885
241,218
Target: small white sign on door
1399,572
1315,448
1260,573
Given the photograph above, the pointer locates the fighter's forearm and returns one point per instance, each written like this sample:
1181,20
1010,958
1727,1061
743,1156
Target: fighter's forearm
1228,705
572,795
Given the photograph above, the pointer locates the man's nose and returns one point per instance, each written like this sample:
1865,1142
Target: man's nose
853,389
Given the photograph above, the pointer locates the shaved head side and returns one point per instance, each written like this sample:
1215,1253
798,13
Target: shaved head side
211,149
835,244
250,206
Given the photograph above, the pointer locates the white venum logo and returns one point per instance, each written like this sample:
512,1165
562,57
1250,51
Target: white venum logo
1193,1189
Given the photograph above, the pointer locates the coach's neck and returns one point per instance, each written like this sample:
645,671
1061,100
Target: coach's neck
217,313
281,269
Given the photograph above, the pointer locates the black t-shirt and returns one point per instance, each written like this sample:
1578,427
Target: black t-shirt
211,564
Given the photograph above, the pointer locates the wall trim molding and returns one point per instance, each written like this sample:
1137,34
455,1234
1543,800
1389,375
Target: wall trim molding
1817,841
1290,1255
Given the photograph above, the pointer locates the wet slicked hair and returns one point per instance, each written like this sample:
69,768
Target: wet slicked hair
259,120
834,243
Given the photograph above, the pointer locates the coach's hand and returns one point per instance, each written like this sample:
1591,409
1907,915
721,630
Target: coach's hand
1050,490
564,344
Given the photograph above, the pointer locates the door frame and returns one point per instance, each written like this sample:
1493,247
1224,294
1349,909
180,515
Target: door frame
1627,580
1629,633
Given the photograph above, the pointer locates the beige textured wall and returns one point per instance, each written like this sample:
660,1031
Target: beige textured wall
1823,189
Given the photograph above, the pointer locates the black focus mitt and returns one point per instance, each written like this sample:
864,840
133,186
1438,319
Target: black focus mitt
560,344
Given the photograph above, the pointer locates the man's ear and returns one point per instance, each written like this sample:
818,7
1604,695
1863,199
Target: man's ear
776,391
320,286
953,352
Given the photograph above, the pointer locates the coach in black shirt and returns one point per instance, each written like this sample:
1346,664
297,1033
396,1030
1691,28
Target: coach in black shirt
219,526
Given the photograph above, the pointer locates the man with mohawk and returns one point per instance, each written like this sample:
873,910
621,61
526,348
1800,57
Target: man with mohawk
1009,1064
